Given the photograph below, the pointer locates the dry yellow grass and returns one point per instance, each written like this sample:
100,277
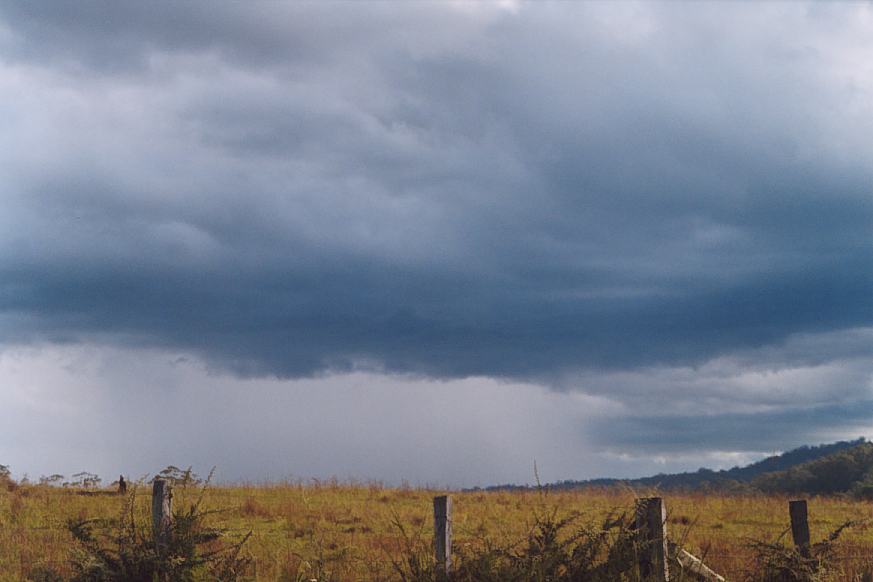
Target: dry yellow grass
334,531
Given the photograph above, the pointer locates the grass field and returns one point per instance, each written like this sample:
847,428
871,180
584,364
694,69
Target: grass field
334,531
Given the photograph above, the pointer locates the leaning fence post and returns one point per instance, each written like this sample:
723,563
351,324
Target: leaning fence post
442,533
162,510
651,525
797,510
691,566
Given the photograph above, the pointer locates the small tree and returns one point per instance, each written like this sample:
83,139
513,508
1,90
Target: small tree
180,477
84,480
51,479
6,481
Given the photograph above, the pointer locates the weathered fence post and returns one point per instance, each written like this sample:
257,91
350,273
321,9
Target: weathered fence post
651,526
162,510
442,533
799,525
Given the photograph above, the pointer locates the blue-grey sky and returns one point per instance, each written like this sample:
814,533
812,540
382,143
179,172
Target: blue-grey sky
342,238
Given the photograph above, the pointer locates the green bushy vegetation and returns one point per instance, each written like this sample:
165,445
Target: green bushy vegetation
555,550
775,561
125,549
847,471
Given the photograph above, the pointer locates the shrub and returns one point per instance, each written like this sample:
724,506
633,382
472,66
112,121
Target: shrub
124,549
776,562
556,550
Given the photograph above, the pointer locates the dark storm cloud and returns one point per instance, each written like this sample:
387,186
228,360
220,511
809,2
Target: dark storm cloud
445,190
109,37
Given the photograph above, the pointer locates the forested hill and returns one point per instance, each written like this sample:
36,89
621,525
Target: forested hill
832,468
829,468
846,471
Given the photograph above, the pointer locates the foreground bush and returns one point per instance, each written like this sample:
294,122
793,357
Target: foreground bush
777,562
125,550
560,550
556,550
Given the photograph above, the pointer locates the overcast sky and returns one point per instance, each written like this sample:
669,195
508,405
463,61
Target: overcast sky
433,241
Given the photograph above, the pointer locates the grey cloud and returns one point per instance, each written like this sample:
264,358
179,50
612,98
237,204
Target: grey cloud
776,430
436,190
111,38
61,402
107,39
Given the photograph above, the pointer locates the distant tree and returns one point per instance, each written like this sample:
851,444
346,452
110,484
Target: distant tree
85,480
6,481
180,477
54,479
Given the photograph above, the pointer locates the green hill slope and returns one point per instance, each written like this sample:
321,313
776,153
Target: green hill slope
842,467
766,474
847,471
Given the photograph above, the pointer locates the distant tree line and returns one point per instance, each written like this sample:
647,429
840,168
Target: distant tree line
842,467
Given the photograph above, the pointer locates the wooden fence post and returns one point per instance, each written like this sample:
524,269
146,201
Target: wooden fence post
442,533
797,510
651,526
162,510
691,566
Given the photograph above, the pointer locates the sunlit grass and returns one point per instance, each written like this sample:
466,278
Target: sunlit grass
336,531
